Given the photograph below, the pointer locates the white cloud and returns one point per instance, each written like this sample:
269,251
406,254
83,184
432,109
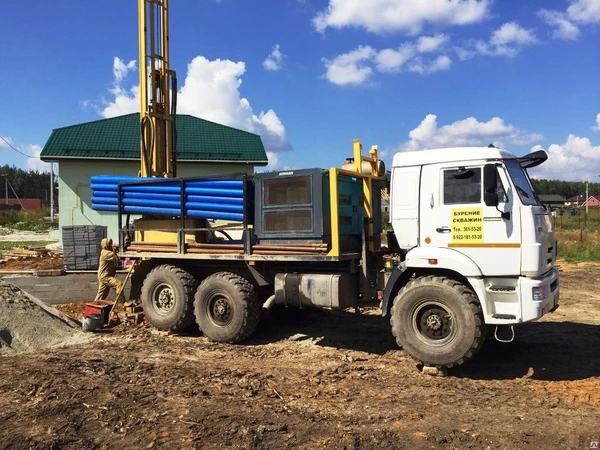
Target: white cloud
576,159
404,16
512,33
274,163
584,11
121,69
442,62
356,67
508,40
424,55
124,102
465,132
392,60
211,90
274,61
580,12
564,29
350,68
33,150
271,130
427,44
35,163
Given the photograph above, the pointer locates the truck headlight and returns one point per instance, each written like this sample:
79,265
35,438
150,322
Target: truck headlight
537,294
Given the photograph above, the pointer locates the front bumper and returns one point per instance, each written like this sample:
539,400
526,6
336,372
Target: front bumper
548,287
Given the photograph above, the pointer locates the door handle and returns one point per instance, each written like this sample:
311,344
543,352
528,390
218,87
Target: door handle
443,230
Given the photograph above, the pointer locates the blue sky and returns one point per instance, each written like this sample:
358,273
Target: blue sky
312,75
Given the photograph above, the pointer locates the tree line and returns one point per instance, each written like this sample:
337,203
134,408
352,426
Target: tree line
26,184
567,189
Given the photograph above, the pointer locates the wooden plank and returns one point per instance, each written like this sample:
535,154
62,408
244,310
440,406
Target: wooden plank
54,312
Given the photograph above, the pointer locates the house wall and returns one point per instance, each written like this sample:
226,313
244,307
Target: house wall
74,192
593,202
28,203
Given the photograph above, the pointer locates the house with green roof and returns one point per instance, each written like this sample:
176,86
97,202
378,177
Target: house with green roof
552,200
112,146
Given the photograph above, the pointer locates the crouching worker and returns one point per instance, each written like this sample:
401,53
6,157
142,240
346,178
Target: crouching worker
107,268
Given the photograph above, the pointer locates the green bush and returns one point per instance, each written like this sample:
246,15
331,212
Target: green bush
24,220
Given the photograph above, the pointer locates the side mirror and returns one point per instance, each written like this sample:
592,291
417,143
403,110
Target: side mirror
490,182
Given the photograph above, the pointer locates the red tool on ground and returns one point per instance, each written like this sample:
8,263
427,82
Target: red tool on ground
99,313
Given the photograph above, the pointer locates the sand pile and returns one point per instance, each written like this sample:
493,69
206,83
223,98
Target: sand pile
27,325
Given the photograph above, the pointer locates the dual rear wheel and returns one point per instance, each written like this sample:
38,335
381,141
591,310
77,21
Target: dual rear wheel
224,305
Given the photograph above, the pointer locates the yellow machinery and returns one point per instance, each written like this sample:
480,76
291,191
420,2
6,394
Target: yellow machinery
367,168
158,91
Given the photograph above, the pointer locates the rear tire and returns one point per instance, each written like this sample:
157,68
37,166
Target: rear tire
167,298
438,321
226,307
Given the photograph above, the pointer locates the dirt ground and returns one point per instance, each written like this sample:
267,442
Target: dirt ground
312,381
47,263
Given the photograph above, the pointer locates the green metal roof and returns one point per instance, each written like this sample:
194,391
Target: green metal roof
552,199
119,138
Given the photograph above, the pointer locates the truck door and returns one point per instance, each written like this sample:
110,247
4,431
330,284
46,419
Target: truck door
454,215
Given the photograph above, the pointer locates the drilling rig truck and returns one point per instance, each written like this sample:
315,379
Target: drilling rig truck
472,248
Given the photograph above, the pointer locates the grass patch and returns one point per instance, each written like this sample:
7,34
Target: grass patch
578,234
577,219
579,245
25,220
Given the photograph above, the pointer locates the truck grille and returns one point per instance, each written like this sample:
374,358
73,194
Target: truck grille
550,255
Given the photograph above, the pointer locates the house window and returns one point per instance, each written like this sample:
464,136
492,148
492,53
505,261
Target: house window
462,186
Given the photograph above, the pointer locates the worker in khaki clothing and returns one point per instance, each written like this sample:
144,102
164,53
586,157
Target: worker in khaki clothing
107,268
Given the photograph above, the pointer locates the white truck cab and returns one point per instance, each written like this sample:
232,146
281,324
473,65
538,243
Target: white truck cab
469,223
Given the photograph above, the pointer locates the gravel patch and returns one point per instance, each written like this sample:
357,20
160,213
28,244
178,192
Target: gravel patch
6,234
27,327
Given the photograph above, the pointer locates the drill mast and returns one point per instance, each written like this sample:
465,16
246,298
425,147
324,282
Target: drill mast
158,91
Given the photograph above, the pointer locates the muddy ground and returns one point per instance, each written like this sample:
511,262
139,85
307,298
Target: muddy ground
320,380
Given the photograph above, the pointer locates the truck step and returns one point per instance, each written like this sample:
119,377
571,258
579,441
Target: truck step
501,288
504,316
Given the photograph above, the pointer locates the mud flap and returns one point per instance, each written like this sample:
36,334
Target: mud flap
397,272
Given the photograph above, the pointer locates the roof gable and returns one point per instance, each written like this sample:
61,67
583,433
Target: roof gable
119,138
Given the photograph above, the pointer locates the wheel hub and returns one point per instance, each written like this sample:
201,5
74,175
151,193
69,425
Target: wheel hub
220,311
164,299
435,323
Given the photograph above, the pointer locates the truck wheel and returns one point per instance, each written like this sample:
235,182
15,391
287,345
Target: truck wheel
226,307
167,298
438,321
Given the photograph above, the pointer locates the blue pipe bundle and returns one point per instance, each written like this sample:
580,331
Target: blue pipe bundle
202,198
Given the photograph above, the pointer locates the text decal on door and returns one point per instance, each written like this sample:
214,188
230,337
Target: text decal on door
467,225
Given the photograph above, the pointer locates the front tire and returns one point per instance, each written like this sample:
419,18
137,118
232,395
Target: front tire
226,307
438,321
167,298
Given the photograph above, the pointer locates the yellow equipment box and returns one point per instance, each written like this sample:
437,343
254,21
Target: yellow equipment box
164,231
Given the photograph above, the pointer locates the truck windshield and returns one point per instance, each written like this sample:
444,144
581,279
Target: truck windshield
522,184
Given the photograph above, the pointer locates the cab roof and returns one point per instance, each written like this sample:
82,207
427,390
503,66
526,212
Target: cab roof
448,155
